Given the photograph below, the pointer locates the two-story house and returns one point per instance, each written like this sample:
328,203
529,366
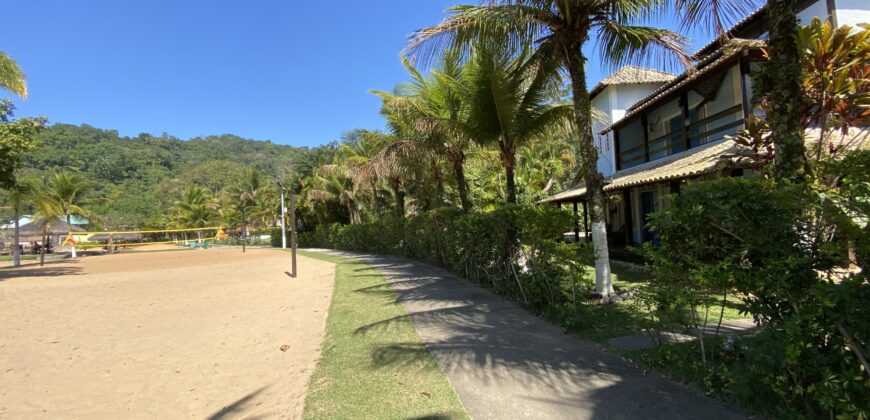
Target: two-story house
675,128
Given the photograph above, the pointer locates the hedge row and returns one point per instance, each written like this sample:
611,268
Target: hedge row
515,250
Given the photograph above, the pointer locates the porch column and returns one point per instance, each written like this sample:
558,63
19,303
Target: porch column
576,223
629,223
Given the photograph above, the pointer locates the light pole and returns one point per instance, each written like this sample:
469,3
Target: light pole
293,232
283,217
279,179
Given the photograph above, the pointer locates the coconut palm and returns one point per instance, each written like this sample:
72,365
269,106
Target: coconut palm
11,76
18,198
69,191
48,212
510,102
244,196
561,28
431,108
196,208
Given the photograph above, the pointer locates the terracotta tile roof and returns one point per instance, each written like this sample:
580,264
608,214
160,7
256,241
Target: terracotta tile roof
701,160
631,75
710,64
693,162
734,31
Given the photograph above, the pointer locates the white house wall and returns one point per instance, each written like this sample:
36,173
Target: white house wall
601,102
614,102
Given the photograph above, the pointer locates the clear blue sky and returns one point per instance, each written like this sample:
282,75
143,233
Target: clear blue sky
288,71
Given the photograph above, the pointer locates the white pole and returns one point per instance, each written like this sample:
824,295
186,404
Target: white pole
293,232
283,227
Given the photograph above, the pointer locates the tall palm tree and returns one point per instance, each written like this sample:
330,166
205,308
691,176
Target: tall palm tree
432,107
245,195
560,28
18,197
510,100
11,76
196,208
48,212
69,191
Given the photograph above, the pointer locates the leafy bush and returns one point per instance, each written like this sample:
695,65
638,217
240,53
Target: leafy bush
515,250
776,246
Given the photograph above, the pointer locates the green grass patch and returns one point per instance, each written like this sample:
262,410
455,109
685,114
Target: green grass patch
603,322
23,257
373,364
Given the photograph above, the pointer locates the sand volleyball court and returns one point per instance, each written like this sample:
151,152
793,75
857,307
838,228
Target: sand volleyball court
175,334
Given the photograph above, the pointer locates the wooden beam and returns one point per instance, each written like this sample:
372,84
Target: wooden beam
629,223
684,106
576,223
645,130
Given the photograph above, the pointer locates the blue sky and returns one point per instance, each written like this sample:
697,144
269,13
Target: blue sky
287,71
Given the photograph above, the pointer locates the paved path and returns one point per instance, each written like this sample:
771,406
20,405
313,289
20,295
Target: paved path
506,364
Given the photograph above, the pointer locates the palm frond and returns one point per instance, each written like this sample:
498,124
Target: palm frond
622,44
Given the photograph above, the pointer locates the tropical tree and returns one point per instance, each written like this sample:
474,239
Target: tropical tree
11,76
510,99
780,82
244,196
431,107
17,139
196,208
835,83
69,191
560,28
18,198
48,213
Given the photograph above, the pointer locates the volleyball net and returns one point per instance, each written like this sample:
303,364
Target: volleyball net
195,237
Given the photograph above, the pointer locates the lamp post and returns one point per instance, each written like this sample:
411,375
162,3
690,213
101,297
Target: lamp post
293,232
279,179
283,217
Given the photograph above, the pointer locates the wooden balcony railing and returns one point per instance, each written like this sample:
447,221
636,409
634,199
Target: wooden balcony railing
687,137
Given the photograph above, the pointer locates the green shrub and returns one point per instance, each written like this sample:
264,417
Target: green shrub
515,250
775,246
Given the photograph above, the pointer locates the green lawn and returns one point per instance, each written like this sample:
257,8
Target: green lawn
603,322
373,364
23,257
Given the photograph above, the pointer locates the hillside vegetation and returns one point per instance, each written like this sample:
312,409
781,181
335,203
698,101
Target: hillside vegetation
136,178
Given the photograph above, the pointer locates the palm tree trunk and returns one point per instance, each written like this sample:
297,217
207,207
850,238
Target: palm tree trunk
16,251
781,83
589,158
509,161
42,249
438,176
244,230
375,198
396,184
458,161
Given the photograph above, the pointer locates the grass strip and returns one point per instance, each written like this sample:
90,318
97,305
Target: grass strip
373,364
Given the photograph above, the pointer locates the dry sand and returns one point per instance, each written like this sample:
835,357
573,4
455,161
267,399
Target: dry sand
186,334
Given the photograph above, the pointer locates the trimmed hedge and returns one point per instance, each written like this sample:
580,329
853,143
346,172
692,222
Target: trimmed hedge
515,250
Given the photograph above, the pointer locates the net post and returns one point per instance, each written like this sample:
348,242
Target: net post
292,233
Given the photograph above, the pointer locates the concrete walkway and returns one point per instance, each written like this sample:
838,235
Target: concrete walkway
505,363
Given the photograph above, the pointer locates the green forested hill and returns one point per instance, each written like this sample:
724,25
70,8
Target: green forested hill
136,177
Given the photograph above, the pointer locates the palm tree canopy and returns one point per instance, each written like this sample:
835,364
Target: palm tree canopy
69,192
510,96
558,27
11,76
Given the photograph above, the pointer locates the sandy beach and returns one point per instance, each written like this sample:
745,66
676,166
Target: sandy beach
176,334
